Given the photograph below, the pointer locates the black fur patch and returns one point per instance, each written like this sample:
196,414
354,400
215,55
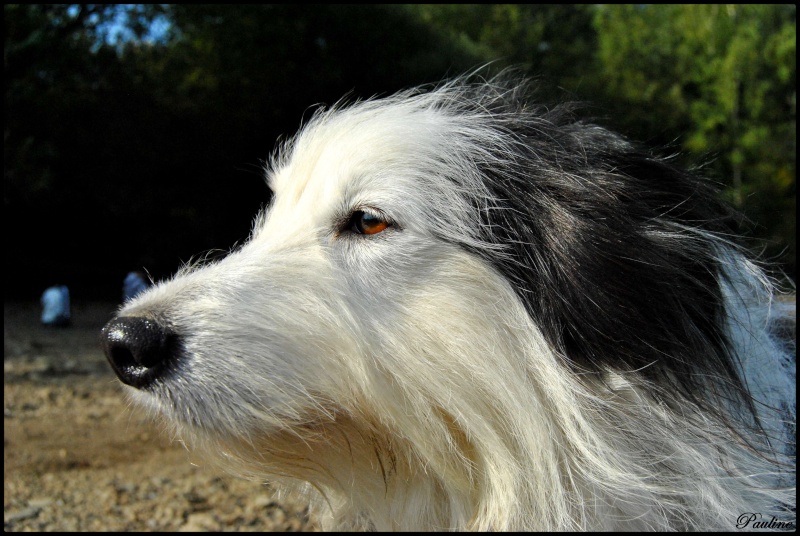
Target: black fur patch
614,251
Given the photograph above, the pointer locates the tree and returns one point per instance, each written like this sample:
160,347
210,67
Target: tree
551,42
723,77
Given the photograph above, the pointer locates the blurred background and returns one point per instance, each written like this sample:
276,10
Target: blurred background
135,135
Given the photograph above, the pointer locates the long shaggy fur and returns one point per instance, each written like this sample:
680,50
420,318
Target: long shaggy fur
552,332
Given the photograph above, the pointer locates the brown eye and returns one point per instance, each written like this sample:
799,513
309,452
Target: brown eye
368,224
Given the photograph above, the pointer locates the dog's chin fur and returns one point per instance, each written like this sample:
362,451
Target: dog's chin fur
553,333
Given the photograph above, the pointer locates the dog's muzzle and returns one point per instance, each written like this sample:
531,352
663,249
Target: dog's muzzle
140,350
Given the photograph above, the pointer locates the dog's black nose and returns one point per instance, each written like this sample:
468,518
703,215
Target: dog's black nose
139,349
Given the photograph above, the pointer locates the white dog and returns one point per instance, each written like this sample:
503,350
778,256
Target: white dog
464,311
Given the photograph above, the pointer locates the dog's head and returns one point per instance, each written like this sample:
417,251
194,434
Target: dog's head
428,264
360,259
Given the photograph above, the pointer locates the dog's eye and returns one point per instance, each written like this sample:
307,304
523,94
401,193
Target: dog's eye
367,224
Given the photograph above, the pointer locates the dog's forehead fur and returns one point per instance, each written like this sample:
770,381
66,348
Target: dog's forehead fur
387,157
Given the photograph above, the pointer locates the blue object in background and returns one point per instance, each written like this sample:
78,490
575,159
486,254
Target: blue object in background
134,284
55,306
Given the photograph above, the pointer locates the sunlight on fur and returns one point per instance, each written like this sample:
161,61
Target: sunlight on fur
463,310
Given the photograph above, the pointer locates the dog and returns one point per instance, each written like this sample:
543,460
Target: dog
466,311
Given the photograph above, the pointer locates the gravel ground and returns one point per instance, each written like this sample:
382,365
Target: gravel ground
78,458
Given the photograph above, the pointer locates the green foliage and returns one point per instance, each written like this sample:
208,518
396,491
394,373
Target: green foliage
552,42
723,78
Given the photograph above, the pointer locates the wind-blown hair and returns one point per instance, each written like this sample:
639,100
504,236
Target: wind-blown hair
463,310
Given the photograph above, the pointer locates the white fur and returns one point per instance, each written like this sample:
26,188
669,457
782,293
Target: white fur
401,376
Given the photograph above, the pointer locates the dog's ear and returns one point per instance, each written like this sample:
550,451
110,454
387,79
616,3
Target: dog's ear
613,251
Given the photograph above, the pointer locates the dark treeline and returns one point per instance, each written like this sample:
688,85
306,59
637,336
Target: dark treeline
134,136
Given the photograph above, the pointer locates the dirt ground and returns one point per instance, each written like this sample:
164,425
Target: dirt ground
78,458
